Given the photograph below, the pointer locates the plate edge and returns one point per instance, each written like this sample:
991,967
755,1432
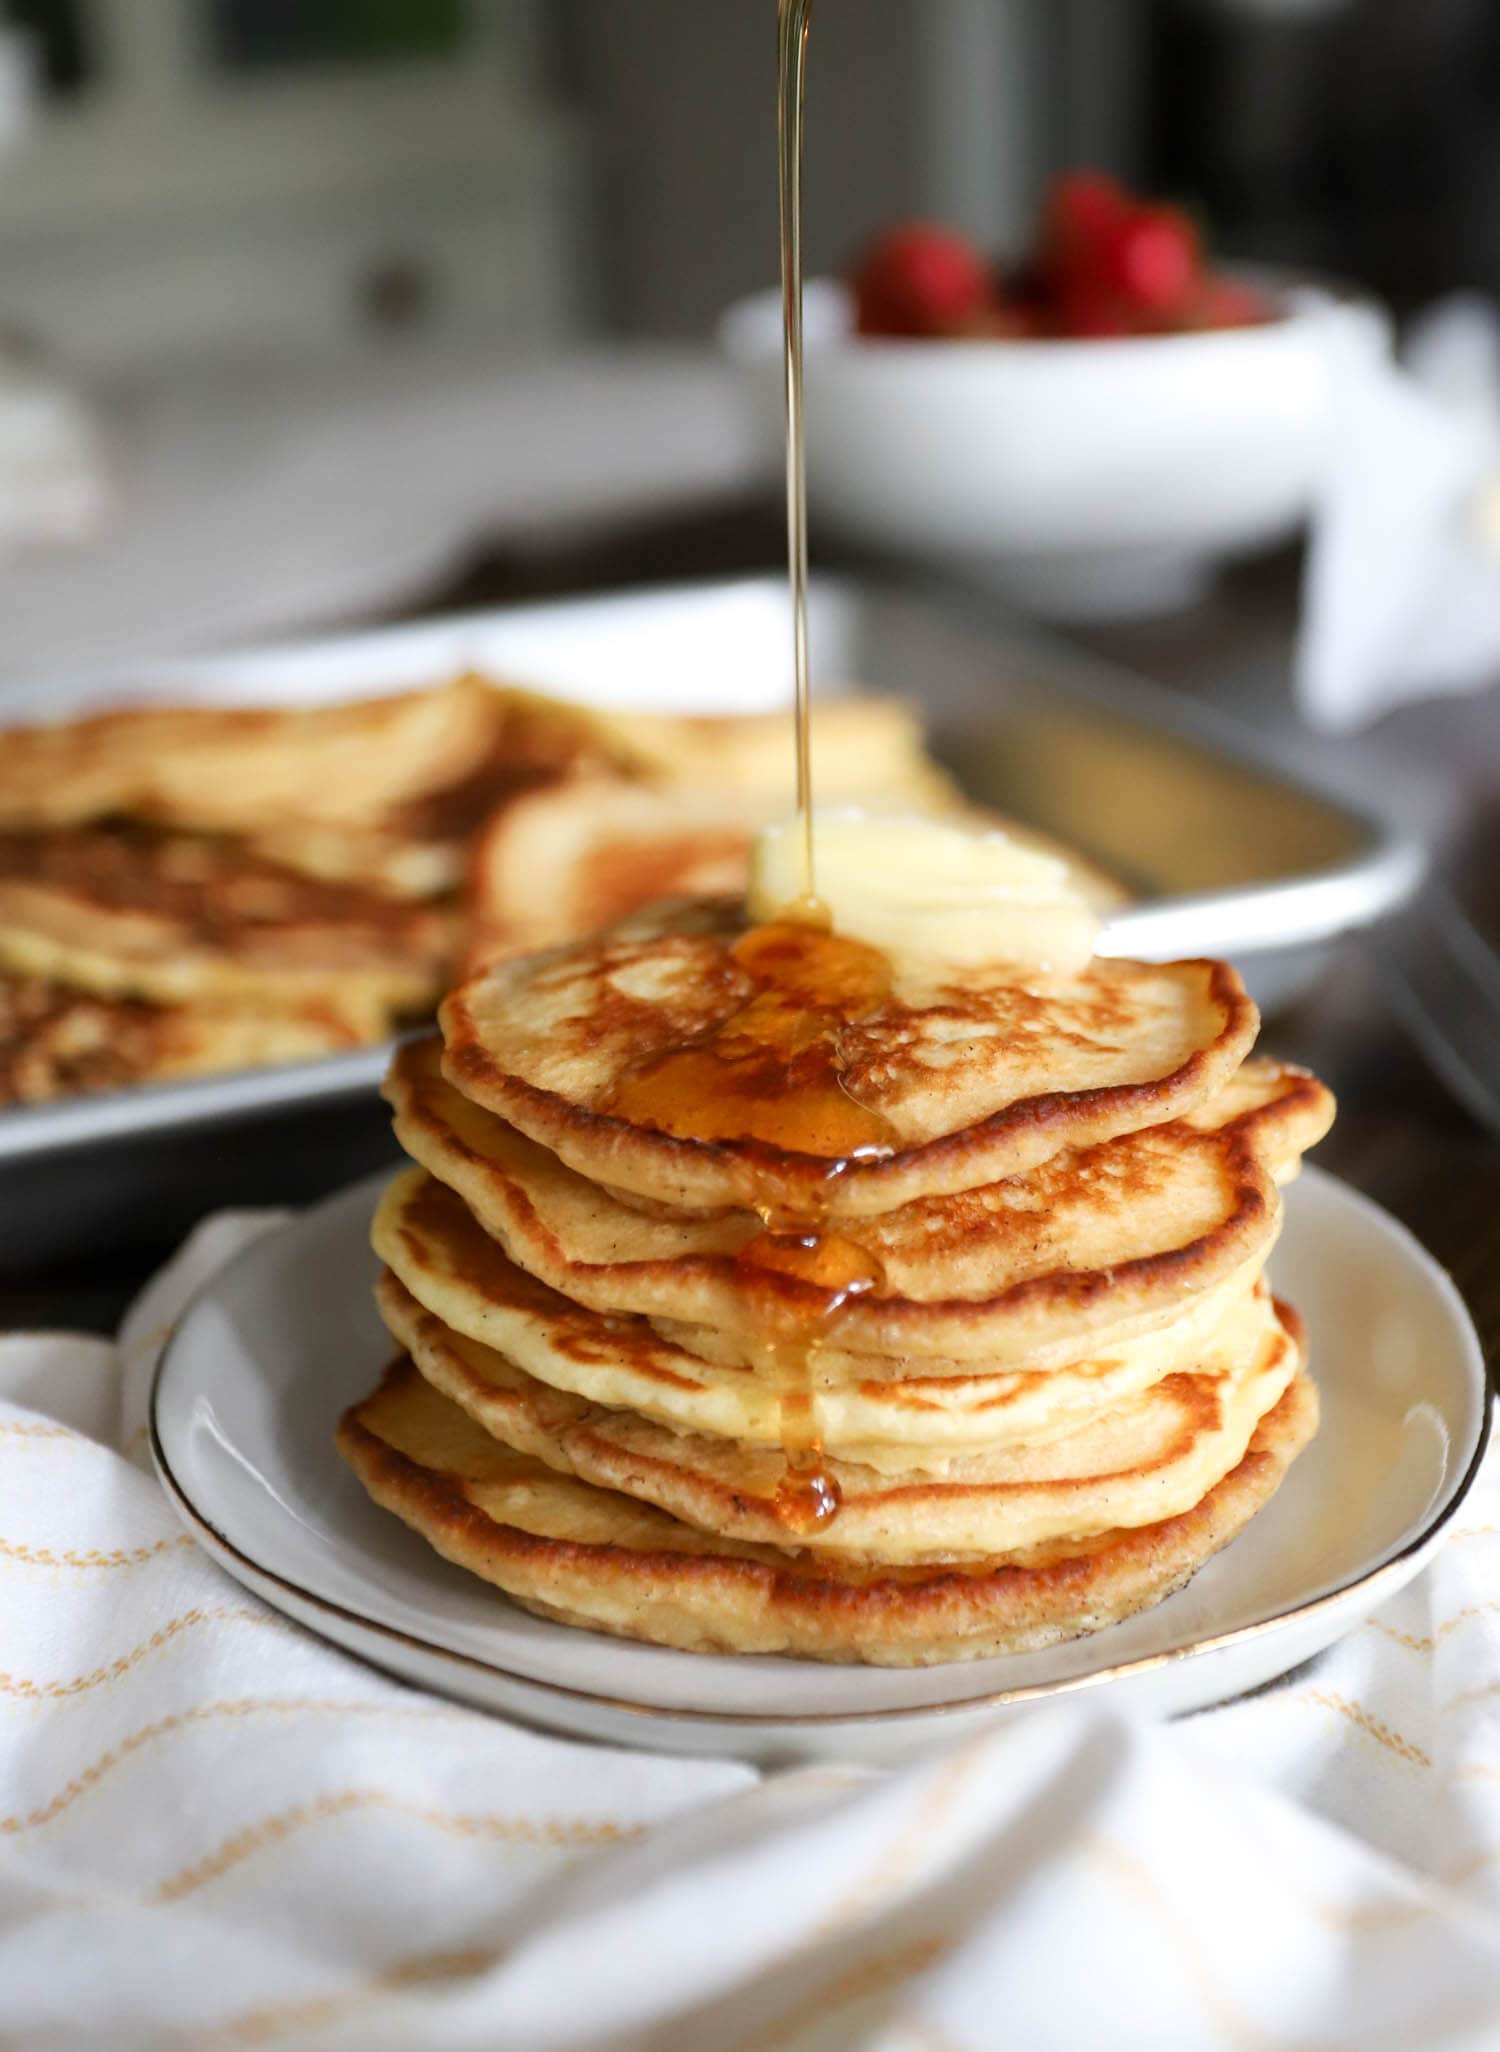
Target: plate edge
196,1522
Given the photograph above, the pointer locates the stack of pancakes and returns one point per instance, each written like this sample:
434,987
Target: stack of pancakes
193,888
984,1249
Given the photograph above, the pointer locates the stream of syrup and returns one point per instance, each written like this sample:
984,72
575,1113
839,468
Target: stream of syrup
773,1071
792,19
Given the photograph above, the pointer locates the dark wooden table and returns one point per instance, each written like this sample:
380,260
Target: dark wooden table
1399,1137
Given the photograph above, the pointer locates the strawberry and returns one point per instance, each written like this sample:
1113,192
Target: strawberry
1155,262
1086,309
1083,214
920,279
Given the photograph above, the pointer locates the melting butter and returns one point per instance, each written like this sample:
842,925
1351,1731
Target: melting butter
927,888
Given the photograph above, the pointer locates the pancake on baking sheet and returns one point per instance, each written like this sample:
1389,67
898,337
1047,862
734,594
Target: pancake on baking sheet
421,845
595,1557
861,747
1095,1244
383,791
56,1042
401,782
670,809
1142,1459
173,918
417,850
228,770
875,1409
579,855
946,1079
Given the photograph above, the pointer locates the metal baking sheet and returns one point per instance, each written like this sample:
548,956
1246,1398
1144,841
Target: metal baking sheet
1229,855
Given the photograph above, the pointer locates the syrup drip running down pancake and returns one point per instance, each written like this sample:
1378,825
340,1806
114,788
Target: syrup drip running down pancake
773,1071
883,1411
1148,1458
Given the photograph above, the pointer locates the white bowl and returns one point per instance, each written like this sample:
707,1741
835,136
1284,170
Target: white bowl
1087,478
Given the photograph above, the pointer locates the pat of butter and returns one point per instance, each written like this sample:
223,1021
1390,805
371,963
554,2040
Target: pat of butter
929,889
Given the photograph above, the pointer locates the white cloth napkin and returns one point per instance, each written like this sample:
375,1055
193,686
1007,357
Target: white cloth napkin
217,1832
1402,593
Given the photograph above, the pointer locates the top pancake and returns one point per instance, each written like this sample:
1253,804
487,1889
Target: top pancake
977,1077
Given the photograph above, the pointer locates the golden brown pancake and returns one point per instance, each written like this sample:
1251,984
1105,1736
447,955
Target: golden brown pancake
139,912
877,1410
228,770
365,762
593,1557
975,1077
1146,1458
390,791
56,1042
421,846
420,850
1094,1246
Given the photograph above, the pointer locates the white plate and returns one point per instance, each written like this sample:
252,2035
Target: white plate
249,1391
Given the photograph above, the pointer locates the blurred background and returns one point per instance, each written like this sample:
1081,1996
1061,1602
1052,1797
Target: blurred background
316,310
312,307
192,173
290,249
